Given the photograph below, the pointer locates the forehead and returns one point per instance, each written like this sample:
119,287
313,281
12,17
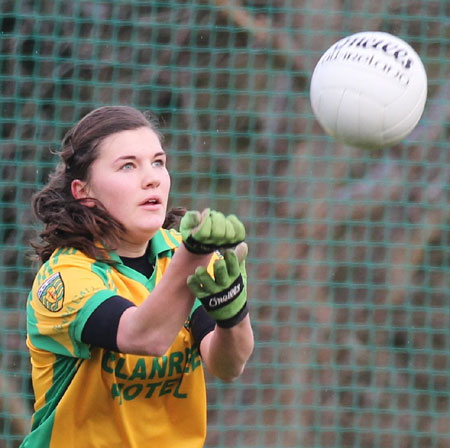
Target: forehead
140,141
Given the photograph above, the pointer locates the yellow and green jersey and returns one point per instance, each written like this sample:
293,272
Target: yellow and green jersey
87,396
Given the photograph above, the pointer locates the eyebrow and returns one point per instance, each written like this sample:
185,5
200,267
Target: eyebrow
132,157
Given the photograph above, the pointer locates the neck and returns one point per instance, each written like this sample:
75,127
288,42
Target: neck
132,250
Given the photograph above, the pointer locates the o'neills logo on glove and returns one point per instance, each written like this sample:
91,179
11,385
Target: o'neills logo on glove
214,302
223,298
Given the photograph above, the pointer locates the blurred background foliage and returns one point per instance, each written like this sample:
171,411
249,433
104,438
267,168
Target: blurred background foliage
348,265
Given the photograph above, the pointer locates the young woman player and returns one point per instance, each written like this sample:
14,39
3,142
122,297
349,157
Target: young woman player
116,335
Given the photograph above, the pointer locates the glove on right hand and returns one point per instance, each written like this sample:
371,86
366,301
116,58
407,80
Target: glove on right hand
224,296
204,233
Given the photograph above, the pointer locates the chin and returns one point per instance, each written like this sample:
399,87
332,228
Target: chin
152,228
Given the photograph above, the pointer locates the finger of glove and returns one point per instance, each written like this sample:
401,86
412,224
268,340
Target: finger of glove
241,251
189,221
239,228
209,286
230,231
203,232
195,286
221,273
218,226
232,263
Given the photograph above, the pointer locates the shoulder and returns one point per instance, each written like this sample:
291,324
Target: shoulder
65,257
173,234
68,264
68,276
69,255
170,238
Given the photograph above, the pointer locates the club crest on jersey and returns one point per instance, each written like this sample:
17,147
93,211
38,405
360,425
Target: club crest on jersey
51,293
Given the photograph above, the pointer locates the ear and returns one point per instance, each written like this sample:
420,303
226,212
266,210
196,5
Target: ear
80,191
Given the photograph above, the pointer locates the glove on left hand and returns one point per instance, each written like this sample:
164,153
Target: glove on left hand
204,233
224,296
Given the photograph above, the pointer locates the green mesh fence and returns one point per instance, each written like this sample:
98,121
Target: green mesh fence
348,264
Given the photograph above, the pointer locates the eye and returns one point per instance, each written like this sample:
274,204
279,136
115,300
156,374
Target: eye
127,166
159,163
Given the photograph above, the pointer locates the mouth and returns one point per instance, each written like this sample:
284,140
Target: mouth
151,201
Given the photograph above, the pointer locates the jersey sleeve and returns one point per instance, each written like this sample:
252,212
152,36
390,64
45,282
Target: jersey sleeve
64,295
201,323
101,328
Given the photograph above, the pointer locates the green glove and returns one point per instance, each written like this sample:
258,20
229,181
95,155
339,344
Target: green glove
224,296
204,233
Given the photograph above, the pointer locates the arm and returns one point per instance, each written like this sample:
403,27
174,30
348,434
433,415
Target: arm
150,328
225,351
227,348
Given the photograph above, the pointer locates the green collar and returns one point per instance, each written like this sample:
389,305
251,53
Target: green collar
163,241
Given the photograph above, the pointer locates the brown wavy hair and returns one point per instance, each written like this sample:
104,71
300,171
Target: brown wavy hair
67,221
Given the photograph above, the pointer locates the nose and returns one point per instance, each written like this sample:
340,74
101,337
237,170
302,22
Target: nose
150,177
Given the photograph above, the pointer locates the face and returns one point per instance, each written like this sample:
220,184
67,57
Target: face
131,180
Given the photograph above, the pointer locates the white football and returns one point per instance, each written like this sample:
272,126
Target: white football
369,89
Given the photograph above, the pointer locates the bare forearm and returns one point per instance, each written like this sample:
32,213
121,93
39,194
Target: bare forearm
226,351
151,327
